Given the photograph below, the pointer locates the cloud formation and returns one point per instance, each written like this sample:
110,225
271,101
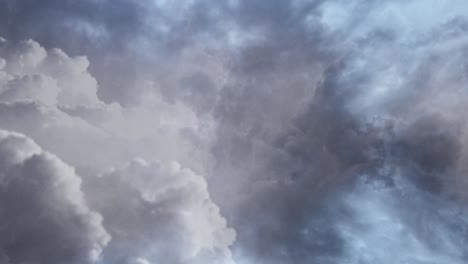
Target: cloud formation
160,211
143,212
44,216
380,103
326,131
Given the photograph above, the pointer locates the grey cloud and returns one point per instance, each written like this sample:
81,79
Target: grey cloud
132,33
61,23
44,216
373,93
401,224
321,117
293,177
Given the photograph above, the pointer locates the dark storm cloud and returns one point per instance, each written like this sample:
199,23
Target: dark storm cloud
138,36
303,119
133,34
295,175
76,26
286,138
72,24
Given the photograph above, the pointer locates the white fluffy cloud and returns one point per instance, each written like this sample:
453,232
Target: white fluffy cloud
52,98
144,212
50,77
160,211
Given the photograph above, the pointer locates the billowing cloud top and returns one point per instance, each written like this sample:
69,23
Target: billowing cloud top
246,131
137,213
45,218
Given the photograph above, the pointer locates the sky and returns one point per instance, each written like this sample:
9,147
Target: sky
233,132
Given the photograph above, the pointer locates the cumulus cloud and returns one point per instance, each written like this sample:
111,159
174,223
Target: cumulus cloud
160,211
45,218
60,79
143,212
56,99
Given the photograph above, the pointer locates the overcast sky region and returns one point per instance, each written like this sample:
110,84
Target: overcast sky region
233,132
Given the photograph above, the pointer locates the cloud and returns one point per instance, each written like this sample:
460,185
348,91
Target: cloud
50,77
402,225
56,99
45,218
160,211
148,212
132,34
292,111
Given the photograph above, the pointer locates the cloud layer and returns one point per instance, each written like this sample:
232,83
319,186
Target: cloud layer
241,132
